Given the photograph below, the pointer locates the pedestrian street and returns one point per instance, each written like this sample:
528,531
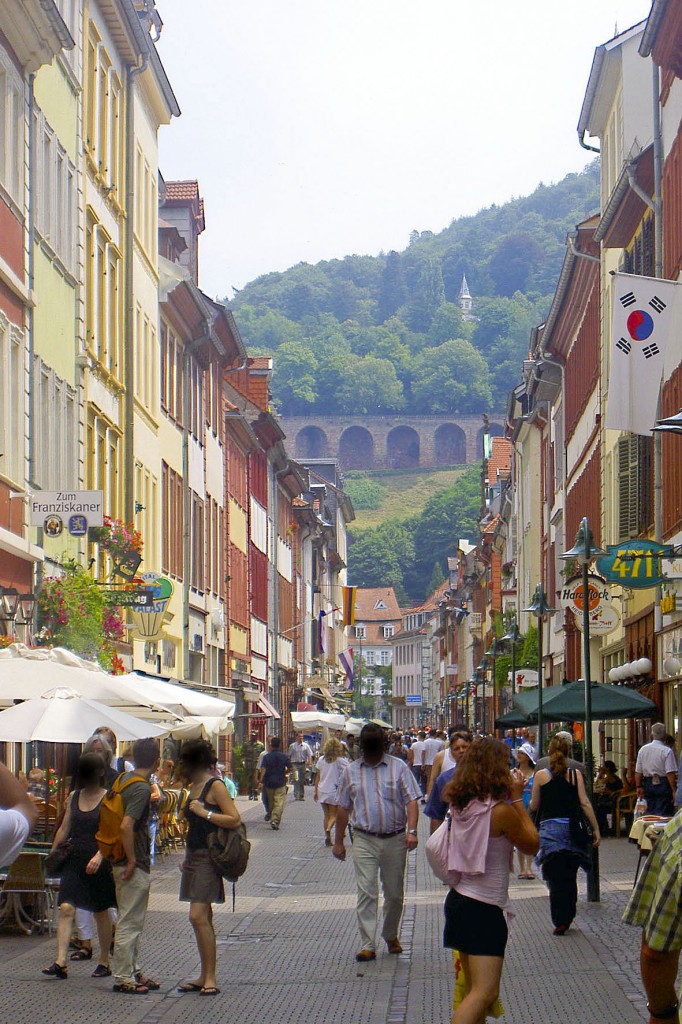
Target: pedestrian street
287,954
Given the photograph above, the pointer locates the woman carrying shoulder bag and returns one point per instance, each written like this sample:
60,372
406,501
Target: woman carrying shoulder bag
559,797
488,820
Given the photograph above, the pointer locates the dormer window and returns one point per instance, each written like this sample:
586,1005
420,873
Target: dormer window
360,632
389,631
380,606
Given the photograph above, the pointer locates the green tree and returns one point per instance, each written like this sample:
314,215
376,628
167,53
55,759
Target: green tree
437,578
514,261
373,386
293,386
447,324
392,294
376,556
452,378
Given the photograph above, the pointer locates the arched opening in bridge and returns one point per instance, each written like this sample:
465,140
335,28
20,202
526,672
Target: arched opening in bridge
356,449
495,430
450,445
311,443
402,448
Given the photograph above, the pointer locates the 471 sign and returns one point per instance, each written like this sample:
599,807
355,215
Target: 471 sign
636,564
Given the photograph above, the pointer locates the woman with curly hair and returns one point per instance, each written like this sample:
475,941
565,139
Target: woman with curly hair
558,794
209,806
488,819
329,770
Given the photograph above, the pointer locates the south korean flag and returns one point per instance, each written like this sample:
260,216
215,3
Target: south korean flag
642,333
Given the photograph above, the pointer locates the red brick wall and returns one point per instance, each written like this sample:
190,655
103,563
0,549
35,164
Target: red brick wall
584,499
582,365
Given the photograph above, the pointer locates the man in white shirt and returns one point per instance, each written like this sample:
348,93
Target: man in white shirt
415,759
301,757
656,773
18,815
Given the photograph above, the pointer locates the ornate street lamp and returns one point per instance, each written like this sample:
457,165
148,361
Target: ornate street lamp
492,653
540,607
584,551
482,673
9,603
512,637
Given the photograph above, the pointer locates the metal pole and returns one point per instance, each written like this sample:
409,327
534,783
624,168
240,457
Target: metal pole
541,723
513,683
483,714
593,894
658,272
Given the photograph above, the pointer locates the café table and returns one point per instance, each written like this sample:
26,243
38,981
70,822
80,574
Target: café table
645,832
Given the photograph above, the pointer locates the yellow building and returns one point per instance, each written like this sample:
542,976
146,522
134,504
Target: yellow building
126,97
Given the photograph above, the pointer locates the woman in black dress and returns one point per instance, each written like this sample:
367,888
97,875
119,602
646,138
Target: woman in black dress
87,881
209,806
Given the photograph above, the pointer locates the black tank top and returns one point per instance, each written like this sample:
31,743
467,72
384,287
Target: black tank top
558,798
199,828
83,827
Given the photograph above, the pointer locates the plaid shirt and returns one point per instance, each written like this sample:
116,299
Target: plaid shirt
656,902
377,795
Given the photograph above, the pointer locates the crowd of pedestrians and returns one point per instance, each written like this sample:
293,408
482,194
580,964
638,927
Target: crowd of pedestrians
371,789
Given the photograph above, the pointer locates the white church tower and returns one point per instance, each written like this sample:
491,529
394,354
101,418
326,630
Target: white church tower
466,303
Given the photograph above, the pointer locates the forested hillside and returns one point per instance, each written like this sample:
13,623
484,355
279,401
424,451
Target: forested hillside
378,334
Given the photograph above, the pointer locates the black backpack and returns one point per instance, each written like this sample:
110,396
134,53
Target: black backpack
229,851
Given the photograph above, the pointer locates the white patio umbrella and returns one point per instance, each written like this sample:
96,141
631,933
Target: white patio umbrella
316,721
192,727
26,673
62,715
181,700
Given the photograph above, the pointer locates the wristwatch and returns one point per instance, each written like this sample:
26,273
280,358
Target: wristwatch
412,832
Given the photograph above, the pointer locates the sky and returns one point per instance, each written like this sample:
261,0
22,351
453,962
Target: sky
321,128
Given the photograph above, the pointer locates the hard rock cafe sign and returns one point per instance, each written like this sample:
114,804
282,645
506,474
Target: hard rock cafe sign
603,617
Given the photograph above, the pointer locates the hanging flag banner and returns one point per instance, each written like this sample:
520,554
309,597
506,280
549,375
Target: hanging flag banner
346,659
644,320
322,632
349,595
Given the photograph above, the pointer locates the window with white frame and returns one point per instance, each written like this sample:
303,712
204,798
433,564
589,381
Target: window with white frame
369,658
103,292
103,115
55,429
13,424
360,632
389,631
384,657
56,206
12,130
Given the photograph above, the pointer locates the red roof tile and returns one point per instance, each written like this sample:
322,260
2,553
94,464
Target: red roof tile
499,463
366,601
182,190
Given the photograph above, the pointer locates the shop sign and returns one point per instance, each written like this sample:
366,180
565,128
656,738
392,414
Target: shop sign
78,509
141,597
149,619
603,617
635,564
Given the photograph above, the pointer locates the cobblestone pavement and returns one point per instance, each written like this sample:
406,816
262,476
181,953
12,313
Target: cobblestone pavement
287,954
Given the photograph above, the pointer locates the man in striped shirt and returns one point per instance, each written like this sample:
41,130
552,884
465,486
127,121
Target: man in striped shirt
380,795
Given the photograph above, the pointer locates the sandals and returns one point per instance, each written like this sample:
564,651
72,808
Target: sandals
84,953
101,971
211,990
131,989
189,987
55,970
151,986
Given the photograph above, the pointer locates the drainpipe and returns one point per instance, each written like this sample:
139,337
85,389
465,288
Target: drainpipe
639,191
586,145
188,351
658,272
129,316
186,514
30,317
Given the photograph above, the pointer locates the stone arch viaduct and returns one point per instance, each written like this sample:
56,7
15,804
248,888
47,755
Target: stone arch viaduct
389,442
